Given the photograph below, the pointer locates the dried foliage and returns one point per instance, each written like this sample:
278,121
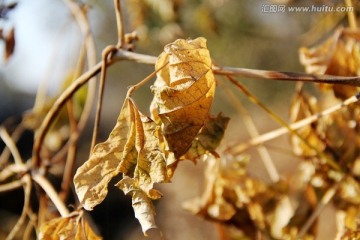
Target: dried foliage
73,226
144,151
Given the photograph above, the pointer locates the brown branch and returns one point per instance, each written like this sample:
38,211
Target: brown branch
51,193
286,76
120,24
26,180
82,21
106,54
15,136
146,59
11,186
70,91
71,154
11,145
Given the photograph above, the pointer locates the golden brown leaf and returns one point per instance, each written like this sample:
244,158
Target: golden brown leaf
183,92
74,227
208,138
132,149
235,199
92,178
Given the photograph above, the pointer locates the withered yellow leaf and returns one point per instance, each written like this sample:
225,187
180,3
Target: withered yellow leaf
73,227
150,167
183,92
142,205
133,148
209,137
92,178
233,198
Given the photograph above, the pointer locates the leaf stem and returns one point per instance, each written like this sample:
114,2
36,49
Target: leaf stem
135,87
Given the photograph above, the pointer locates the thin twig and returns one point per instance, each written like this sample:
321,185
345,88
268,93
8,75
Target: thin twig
71,155
239,148
90,51
31,224
253,132
329,194
11,145
286,76
70,91
28,230
11,186
51,193
146,59
108,51
278,119
12,169
27,192
15,136
120,24
135,87
82,21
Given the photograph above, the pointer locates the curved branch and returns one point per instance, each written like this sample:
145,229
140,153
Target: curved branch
53,195
26,181
70,91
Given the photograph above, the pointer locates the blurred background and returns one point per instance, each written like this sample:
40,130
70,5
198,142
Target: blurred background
239,34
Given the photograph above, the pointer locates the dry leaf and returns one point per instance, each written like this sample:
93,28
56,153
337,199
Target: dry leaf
142,205
208,138
132,149
339,56
235,199
74,227
92,178
183,92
